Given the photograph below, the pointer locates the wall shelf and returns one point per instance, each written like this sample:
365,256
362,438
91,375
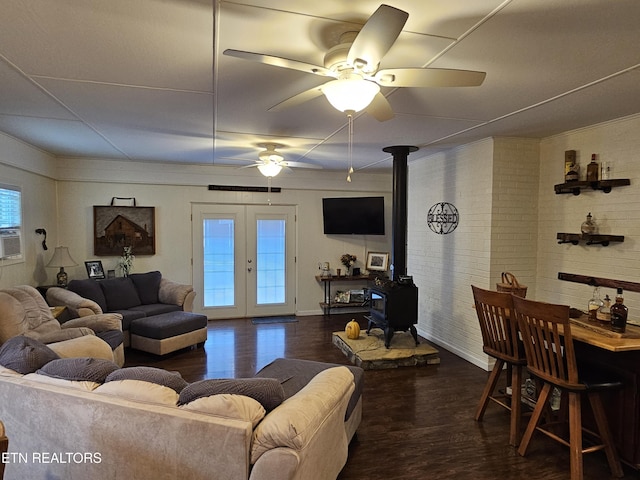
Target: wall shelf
576,238
577,186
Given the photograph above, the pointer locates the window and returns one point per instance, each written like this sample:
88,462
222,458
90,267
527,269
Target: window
10,222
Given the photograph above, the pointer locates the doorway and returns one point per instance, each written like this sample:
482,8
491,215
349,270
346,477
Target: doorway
244,260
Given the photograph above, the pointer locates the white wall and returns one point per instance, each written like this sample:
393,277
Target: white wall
172,190
617,213
32,170
493,184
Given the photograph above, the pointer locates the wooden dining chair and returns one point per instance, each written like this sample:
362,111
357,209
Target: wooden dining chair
500,341
546,334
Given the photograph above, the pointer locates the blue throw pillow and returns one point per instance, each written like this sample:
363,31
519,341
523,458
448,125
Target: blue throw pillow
267,391
25,355
159,376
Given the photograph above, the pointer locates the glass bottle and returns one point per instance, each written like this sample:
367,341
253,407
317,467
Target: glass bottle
588,227
595,303
592,169
619,312
604,312
573,174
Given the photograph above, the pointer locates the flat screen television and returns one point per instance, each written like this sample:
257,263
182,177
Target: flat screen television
353,216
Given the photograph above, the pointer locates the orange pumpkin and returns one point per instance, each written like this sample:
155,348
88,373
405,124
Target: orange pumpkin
353,330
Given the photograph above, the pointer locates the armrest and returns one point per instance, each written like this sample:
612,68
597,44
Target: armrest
78,306
176,294
60,335
103,322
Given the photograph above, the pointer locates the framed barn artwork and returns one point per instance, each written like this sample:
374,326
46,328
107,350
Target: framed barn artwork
116,227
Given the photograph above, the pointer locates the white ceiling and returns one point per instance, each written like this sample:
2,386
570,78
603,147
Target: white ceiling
146,80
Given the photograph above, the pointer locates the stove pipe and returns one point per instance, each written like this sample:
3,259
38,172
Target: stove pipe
399,212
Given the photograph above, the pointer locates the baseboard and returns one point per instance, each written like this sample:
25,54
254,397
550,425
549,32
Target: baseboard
483,362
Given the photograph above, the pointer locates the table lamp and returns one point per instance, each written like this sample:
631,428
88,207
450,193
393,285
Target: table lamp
61,258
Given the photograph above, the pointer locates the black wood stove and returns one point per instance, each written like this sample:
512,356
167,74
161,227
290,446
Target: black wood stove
393,307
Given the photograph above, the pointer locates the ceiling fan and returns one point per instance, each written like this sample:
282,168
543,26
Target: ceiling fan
354,63
271,162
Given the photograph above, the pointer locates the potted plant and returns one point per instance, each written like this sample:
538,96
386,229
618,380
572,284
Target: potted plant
347,260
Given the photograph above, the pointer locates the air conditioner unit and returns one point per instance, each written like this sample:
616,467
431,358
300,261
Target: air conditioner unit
10,246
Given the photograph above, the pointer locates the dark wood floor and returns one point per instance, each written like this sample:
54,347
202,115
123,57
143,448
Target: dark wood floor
417,421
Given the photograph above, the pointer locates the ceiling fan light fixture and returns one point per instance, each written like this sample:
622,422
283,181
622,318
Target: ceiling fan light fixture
350,94
270,168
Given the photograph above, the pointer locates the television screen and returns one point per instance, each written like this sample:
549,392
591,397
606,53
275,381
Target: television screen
353,216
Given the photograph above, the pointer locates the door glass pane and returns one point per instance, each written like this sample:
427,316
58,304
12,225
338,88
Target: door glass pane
270,268
219,262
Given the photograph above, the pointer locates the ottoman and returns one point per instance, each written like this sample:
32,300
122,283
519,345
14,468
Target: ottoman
168,332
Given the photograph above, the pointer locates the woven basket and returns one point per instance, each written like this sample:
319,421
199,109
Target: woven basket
510,284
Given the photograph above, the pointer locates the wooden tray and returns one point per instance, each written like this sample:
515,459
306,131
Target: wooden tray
632,331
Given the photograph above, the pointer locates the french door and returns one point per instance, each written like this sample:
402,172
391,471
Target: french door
244,260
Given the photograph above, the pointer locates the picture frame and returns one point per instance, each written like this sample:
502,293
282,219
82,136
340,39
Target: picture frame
115,227
377,261
94,269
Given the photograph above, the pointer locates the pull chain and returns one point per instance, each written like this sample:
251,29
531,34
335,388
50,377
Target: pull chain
350,144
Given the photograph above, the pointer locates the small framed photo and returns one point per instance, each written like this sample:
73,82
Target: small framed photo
94,269
377,261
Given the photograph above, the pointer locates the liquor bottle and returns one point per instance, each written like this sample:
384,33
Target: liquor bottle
588,227
595,303
619,312
604,312
592,169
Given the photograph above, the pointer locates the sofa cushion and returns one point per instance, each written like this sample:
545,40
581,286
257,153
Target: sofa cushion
147,285
237,407
159,376
139,391
80,369
25,354
120,293
151,309
129,316
267,391
90,289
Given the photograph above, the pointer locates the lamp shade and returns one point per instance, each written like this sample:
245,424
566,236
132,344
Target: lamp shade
61,258
270,169
350,94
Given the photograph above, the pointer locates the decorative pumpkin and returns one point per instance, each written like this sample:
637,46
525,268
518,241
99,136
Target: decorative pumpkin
353,330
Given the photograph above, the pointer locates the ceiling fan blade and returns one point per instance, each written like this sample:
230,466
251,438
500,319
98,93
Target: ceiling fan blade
428,77
280,62
376,37
300,165
380,109
298,99
249,166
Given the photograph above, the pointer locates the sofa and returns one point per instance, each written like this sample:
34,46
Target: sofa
90,419
24,312
156,312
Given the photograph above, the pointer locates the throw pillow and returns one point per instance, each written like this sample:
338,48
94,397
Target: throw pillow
159,376
147,285
89,289
80,369
120,293
237,407
267,391
76,385
25,354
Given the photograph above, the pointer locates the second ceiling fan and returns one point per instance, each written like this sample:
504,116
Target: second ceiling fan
354,64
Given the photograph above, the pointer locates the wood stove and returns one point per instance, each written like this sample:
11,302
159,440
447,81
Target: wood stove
393,307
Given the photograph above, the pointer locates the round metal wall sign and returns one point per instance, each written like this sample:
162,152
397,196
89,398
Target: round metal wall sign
443,218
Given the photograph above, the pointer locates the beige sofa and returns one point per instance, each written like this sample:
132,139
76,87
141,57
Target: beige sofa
79,430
